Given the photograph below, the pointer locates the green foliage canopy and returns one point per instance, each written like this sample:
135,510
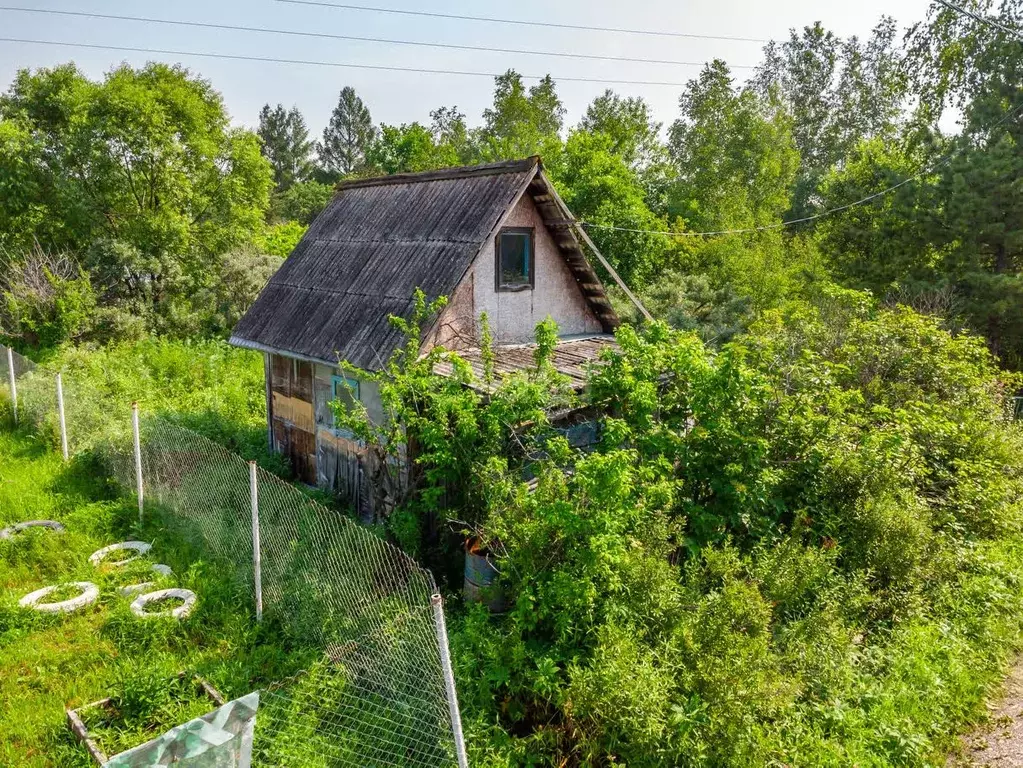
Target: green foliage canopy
141,172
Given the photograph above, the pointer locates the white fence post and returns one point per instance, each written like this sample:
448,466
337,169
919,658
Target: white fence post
14,384
256,559
138,454
449,679
60,416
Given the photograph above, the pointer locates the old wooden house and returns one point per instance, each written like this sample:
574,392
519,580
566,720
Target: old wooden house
493,238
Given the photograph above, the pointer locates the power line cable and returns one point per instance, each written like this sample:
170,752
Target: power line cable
982,19
335,64
524,23
830,212
355,38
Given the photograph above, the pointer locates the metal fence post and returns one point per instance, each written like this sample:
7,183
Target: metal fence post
60,416
256,560
14,384
449,679
138,454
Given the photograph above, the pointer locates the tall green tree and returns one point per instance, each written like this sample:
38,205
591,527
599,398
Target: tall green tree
733,154
521,122
982,212
950,54
629,122
347,136
141,172
884,245
407,149
23,212
450,129
286,145
600,188
838,92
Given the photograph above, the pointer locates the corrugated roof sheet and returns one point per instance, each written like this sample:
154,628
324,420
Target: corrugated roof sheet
376,242
572,357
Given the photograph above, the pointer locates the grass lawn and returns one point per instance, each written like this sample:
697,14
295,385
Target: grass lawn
50,662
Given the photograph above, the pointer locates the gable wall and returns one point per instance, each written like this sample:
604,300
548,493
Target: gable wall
513,316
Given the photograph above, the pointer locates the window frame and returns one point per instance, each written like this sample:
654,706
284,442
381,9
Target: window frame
354,387
500,287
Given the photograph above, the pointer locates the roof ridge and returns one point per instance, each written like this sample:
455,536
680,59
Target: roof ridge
442,174
398,241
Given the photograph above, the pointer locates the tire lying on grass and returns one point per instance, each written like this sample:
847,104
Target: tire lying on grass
53,525
134,589
181,612
98,557
90,594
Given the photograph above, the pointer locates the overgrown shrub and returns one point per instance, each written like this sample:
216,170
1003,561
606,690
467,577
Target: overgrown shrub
801,549
45,299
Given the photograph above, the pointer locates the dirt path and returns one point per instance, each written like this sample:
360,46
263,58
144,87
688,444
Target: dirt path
999,744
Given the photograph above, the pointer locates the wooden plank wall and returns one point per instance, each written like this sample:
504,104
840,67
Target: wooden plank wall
293,424
302,427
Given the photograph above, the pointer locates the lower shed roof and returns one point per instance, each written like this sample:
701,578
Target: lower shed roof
573,357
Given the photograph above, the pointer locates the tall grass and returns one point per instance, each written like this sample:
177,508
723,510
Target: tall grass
49,662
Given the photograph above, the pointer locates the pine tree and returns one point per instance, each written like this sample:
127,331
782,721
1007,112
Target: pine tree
347,136
286,145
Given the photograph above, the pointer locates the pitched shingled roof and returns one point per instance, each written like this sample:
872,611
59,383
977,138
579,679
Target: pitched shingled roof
378,240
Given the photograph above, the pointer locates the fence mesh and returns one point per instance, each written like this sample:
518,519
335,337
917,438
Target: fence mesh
378,696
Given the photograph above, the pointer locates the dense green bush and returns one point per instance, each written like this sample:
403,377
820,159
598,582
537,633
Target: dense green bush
802,549
45,299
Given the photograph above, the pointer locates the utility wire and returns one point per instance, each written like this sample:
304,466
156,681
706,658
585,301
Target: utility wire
329,36
830,212
336,64
524,23
982,19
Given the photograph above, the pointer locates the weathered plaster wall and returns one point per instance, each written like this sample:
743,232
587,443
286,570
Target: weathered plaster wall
456,327
514,315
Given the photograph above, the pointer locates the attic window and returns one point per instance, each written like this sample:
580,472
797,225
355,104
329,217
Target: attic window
515,268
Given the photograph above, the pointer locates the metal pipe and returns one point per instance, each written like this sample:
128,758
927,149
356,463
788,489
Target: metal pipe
60,416
449,679
256,559
14,384
138,454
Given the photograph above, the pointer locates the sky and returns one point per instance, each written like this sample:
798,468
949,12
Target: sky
403,97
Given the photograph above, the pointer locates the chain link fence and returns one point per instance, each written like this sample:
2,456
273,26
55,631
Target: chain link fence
383,693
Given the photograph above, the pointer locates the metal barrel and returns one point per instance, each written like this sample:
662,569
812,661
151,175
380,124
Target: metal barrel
480,579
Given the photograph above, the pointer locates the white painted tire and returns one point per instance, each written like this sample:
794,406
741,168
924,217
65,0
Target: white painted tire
134,589
182,611
90,594
53,525
140,547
